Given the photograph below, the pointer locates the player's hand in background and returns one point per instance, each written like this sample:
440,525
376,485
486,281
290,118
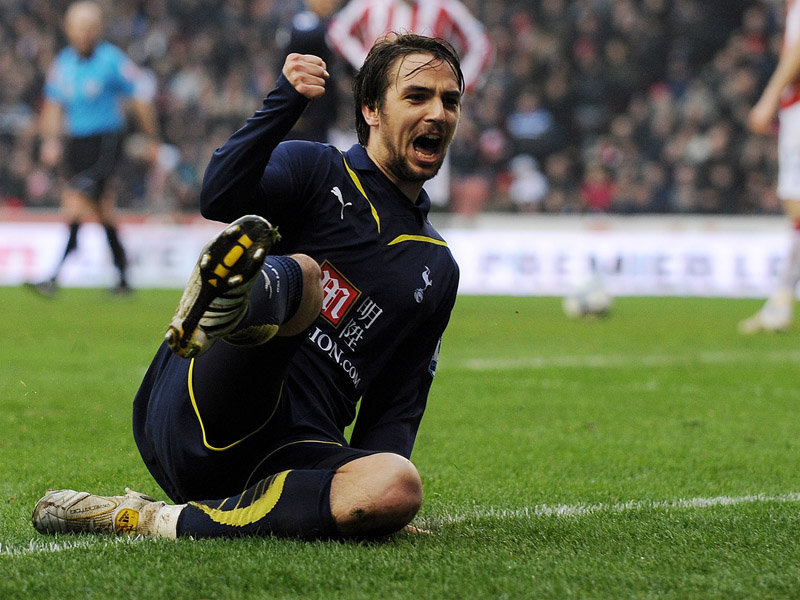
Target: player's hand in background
761,119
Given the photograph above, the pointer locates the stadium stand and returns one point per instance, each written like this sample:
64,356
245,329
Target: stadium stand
624,106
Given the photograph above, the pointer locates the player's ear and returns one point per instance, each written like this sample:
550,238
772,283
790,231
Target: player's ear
370,114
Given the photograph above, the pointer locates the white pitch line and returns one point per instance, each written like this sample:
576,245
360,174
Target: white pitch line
491,514
619,360
51,547
581,510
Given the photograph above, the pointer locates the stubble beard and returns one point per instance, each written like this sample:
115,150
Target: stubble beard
402,169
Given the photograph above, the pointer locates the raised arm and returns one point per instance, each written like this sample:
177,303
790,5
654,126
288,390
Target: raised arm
231,181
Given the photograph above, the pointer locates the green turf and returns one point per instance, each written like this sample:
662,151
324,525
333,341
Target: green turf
555,456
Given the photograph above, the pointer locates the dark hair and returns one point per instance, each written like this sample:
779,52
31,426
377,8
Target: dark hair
372,80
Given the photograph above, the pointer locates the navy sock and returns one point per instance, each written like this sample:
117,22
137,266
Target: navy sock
288,504
274,299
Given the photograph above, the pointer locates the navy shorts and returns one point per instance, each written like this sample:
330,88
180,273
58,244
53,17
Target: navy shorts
245,430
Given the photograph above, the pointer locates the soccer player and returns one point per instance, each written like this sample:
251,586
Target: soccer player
87,87
781,96
279,336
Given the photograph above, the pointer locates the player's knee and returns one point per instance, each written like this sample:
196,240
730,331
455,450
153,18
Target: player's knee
402,495
397,496
376,495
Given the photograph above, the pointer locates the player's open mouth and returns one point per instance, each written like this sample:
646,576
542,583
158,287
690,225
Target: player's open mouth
428,146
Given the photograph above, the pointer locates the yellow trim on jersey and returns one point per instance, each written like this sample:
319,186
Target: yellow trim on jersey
357,182
200,419
416,238
245,515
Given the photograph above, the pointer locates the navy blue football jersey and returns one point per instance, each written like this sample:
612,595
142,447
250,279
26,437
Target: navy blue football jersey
389,279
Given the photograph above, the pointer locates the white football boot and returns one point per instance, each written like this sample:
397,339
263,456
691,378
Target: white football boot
68,511
216,296
777,314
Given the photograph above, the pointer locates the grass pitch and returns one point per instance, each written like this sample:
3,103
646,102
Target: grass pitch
652,454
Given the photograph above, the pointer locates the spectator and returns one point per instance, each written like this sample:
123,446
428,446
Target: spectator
597,189
528,186
532,127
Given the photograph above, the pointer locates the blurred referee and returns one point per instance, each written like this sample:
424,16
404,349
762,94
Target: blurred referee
82,122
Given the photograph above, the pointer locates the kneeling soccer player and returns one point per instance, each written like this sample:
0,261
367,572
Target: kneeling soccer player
277,338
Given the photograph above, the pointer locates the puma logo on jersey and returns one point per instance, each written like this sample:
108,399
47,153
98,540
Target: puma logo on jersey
338,193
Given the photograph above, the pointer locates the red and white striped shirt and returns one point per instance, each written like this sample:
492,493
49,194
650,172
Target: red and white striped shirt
356,27
791,37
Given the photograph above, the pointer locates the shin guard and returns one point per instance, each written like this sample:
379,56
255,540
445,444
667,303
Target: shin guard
288,504
274,299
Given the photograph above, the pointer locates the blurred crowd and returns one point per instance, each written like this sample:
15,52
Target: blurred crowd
618,106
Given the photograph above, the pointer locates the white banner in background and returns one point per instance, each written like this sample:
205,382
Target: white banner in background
547,258
159,255
630,263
